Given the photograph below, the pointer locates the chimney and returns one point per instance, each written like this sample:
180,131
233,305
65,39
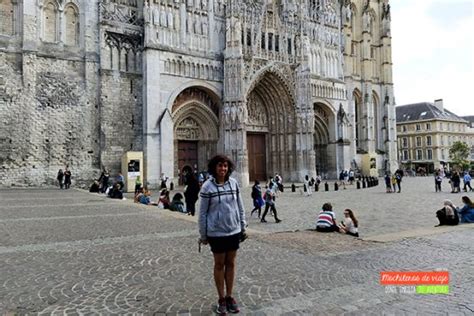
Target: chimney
439,104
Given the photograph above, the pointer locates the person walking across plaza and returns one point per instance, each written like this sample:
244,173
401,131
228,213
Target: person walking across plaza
398,177
191,194
257,199
60,177
270,203
467,181
307,186
438,181
455,182
388,183
222,226
67,178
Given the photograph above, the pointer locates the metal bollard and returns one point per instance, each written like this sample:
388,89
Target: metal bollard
171,186
316,187
293,187
364,184
326,187
358,184
336,186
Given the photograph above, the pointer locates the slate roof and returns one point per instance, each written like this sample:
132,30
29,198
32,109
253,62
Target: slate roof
469,118
424,111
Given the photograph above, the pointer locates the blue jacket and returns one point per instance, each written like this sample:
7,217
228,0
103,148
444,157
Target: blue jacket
466,214
221,211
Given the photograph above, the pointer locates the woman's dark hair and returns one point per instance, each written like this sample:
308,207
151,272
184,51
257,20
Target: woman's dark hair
257,182
467,201
327,207
211,166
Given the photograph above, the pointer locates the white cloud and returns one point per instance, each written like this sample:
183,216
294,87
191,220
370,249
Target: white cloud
432,53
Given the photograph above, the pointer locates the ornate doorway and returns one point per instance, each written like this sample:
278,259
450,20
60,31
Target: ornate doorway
321,139
271,128
257,157
187,157
195,115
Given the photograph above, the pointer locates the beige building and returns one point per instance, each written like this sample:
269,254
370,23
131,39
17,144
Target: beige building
425,133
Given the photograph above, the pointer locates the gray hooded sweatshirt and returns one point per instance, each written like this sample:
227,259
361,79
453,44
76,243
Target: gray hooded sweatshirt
221,211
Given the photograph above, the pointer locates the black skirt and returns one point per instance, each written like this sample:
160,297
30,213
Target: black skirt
224,243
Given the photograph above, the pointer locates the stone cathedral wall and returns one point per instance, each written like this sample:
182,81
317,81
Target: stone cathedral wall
47,114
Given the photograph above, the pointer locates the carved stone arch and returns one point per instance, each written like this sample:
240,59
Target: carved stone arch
324,136
270,69
211,90
195,111
207,122
272,119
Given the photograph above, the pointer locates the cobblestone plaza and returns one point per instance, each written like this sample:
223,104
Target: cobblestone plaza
73,252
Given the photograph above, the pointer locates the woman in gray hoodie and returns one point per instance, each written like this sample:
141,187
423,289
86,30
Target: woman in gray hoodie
222,226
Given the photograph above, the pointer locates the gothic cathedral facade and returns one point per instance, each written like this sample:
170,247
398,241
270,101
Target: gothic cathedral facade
295,87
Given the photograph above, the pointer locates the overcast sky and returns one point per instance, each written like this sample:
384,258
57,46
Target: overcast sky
433,52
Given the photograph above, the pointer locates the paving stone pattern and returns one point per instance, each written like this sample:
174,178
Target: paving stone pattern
76,253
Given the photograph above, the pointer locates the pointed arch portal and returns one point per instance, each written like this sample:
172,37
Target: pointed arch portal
195,114
271,132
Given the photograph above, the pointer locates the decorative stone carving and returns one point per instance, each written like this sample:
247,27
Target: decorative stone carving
188,129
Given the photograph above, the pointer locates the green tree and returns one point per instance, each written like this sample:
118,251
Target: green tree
459,154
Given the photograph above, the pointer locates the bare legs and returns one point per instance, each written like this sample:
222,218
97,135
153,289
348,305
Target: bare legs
224,272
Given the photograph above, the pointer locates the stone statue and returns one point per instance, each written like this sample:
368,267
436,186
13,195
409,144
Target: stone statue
205,26
170,20
204,5
147,14
163,21
367,19
237,30
156,16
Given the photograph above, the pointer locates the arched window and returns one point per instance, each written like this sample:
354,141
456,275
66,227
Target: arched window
71,37
50,22
6,17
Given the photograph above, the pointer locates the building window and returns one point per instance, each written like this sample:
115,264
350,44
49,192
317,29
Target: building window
418,141
441,126
404,142
428,126
428,140
418,127
429,154
404,128
405,155
270,41
6,18
72,26
419,154
50,23
442,140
